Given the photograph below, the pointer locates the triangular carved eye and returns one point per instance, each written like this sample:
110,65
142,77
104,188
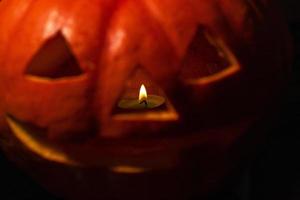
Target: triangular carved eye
208,60
54,60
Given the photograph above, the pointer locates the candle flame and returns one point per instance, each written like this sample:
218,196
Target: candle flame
143,94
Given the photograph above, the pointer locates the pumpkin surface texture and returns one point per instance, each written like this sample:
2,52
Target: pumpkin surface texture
66,64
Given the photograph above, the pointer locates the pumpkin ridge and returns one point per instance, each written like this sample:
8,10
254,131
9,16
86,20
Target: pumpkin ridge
159,24
197,126
157,27
179,44
12,34
92,91
109,37
254,5
14,30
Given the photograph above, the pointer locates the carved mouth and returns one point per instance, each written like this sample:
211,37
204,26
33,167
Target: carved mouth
118,156
37,144
123,156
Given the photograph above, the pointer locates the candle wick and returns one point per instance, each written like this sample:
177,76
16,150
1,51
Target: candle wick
145,102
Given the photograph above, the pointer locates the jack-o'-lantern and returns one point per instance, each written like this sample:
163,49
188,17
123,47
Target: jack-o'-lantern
65,66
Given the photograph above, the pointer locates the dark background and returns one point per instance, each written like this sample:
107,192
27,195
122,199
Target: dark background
274,174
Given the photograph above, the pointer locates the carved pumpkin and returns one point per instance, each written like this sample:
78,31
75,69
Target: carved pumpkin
64,65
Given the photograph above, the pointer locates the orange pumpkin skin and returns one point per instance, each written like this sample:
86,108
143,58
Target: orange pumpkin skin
174,42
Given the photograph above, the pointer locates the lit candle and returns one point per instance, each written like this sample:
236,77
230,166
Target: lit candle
143,102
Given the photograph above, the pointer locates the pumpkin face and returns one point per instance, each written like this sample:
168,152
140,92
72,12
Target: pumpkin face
66,64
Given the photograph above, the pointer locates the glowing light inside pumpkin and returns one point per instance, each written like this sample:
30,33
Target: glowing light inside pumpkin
144,101
123,169
143,95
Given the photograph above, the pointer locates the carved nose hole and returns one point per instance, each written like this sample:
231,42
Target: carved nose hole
158,108
54,60
208,59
